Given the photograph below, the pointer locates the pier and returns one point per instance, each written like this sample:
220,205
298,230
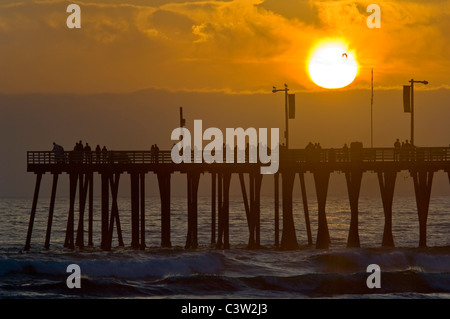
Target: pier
420,162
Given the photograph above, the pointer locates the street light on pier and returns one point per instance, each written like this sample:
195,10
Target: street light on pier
408,102
286,132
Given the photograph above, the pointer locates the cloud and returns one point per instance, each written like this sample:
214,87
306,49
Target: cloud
233,46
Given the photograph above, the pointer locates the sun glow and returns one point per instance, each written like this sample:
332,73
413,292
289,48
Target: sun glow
331,65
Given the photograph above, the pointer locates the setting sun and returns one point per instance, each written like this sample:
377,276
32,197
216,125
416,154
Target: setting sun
332,66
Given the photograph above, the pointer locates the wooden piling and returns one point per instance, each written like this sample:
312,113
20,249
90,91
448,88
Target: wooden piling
219,243
33,211
114,186
305,207
134,210
321,180
51,210
192,190
213,208
91,209
226,210
164,193
423,180
105,176
69,241
288,236
386,181
251,239
276,177
142,186
353,178
257,207
83,188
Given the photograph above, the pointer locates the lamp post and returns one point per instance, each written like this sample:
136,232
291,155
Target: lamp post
286,132
412,107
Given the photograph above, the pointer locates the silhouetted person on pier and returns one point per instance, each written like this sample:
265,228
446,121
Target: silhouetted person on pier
308,149
397,147
156,153
345,152
59,153
77,154
409,150
105,154
98,152
88,153
152,153
318,152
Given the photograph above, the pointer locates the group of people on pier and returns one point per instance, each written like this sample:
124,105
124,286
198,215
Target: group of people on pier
81,154
314,152
154,153
403,151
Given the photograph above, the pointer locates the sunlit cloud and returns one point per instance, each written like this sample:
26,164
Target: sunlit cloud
229,46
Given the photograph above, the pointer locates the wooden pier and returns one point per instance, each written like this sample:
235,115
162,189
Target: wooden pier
421,163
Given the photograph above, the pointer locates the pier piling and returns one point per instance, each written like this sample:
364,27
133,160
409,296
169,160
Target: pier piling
321,180
353,178
386,181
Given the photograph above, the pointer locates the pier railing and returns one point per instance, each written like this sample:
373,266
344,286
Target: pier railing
428,154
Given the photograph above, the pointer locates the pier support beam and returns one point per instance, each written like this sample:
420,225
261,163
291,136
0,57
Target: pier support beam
105,176
91,209
134,210
321,180
277,208
137,210
213,208
69,241
83,191
164,193
114,184
305,207
223,240
423,181
193,179
219,243
288,237
353,179
386,181
142,179
252,210
226,210
251,237
51,210
33,211
257,207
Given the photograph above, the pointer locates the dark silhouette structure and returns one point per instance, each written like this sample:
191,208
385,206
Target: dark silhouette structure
354,161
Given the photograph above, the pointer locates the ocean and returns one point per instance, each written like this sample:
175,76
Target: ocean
175,273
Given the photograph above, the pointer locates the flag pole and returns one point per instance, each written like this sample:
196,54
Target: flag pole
371,113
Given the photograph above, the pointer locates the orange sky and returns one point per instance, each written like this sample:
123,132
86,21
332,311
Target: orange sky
155,56
227,46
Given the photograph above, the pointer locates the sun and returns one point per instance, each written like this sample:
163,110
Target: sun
332,66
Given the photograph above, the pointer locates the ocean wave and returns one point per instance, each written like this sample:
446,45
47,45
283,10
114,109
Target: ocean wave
351,260
118,265
200,273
